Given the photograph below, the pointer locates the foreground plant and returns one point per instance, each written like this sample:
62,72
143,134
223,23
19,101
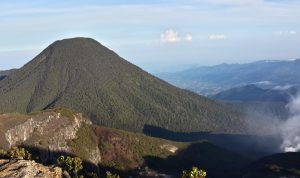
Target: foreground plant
16,152
70,164
110,175
194,173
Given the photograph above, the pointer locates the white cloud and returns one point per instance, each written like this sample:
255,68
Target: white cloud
216,36
188,37
286,32
234,2
170,36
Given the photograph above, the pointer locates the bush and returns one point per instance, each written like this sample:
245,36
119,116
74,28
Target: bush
91,175
194,173
16,152
110,175
3,154
71,165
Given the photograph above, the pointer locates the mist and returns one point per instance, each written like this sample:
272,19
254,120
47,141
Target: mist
290,129
285,128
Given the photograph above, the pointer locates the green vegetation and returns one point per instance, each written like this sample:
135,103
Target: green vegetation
142,146
86,137
67,112
71,165
16,152
194,173
84,75
126,151
110,175
91,175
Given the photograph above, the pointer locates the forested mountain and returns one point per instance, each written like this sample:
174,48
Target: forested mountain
82,74
210,80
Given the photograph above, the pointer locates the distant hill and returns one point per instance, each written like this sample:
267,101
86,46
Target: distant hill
209,80
82,74
263,102
253,93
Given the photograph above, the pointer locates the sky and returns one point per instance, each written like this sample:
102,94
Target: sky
158,35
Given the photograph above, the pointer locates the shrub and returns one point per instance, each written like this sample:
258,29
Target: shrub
91,175
16,152
3,154
110,175
194,173
71,165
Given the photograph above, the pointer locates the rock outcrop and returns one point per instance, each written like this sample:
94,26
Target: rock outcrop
27,169
49,131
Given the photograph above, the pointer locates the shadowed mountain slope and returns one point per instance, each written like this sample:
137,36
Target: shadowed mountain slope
273,166
82,74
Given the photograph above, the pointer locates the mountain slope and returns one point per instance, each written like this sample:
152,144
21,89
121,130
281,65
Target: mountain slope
82,74
4,73
52,133
27,168
210,80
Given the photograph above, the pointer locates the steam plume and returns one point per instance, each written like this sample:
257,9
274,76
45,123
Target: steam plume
290,129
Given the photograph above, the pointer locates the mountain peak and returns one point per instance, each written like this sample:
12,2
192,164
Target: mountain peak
78,47
81,41
75,55
82,74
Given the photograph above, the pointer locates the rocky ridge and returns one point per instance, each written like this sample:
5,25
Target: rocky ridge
27,169
50,131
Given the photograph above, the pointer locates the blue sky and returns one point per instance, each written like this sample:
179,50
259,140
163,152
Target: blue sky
159,35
